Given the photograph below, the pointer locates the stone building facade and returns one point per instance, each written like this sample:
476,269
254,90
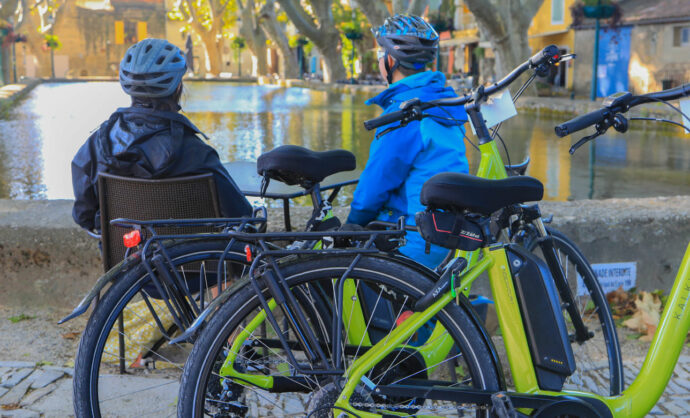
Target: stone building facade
659,46
94,36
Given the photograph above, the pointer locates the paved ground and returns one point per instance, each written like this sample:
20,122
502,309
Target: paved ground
36,377
31,390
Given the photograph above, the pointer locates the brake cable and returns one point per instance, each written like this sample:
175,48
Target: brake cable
620,124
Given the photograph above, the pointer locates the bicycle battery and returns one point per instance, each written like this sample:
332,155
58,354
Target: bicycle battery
543,318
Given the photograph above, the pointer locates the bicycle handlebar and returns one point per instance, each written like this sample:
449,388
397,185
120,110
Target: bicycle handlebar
581,122
412,109
613,105
384,120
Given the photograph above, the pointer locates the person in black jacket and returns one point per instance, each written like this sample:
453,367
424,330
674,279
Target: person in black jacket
150,139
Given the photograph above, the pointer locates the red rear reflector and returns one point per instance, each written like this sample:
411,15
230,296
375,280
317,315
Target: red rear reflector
403,317
555,57
132,238
248,253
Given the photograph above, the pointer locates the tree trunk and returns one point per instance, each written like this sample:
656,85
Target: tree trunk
212,46
35,40
505,24
254,35
333,58
375,11
289,67
325,36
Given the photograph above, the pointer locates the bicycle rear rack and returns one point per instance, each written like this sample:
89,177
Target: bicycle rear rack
189,316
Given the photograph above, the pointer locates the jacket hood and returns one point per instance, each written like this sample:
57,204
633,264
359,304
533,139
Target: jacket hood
141,142
427,85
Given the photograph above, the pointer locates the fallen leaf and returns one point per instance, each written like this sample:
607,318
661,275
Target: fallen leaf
646,316
70,335
10,406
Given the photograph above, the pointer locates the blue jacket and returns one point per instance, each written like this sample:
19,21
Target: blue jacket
402,160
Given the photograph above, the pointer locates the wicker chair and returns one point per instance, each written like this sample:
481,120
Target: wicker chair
147,199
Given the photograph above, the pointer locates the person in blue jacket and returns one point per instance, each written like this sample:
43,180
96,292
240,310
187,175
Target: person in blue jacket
401,160
149,139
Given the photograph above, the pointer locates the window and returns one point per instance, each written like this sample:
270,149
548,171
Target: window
681,36
557,12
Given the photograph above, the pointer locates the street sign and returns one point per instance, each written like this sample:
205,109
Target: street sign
611,276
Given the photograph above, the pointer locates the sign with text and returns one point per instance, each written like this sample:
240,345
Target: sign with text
611,276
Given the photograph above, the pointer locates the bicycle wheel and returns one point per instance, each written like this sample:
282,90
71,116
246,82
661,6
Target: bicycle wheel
599,367
151,366
238,366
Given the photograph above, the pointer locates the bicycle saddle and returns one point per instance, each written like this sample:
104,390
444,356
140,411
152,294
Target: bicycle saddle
457,192
297,165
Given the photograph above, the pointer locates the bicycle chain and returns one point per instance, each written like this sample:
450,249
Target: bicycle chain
419,407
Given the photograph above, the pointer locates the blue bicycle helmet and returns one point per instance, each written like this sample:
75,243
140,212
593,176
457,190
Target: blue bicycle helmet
410,40
152,68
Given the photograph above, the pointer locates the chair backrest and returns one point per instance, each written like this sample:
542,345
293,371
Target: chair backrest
147,199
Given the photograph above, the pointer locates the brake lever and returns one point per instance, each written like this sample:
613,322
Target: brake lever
584,140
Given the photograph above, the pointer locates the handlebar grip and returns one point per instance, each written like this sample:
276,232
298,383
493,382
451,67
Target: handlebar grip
581,122
544,55
384,120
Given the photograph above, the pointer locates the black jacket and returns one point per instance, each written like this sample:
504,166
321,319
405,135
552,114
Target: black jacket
145,143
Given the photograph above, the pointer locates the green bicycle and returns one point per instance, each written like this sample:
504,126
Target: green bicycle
538,350
222,369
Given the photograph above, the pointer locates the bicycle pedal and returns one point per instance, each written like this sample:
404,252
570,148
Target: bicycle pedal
502,405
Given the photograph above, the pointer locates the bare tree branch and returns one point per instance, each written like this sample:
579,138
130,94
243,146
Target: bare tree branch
375,11
416,7
289,66
302,21
323,12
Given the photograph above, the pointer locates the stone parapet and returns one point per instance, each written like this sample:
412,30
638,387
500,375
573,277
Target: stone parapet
46,260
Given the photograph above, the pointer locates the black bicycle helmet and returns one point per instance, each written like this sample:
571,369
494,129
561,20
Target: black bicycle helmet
410,40
152,68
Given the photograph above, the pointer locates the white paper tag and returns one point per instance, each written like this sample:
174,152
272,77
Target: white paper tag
498,107
685,108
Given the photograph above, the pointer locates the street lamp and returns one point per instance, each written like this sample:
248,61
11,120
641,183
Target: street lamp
598,12
51,21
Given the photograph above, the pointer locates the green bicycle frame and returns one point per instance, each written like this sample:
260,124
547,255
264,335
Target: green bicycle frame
491,166
637,400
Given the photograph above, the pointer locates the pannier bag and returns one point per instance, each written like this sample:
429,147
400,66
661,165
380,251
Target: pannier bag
449,230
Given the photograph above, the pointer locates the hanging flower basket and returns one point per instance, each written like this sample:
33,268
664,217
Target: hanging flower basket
354,35
604,11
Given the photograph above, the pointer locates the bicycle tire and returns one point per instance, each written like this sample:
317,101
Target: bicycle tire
599,367
104,394
232,323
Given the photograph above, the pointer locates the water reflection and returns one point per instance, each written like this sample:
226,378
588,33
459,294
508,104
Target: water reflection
45,131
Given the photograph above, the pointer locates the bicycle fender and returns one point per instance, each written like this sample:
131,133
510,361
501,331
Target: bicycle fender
215,304
122,267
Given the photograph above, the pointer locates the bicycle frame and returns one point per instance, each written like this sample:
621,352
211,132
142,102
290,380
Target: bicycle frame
637,400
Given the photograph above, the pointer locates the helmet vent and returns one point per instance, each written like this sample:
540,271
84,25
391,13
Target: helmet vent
176,59
160,60
148,48
129,58
168,47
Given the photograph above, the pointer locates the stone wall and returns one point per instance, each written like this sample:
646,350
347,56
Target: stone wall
46,260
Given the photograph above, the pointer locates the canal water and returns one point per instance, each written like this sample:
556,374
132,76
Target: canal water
42,135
